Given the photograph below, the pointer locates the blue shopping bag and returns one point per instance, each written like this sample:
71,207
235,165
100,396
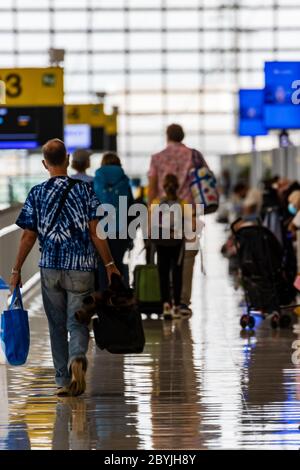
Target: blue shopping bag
15,335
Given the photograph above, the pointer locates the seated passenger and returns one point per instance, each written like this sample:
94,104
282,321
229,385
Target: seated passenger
294,210
236,200
252,204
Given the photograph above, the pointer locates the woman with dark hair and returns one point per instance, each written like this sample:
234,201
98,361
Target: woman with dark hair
110,183
110,158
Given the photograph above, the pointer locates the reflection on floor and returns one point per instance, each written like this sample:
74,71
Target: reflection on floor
200,383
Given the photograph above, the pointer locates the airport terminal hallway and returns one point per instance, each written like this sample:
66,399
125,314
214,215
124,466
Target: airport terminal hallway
200,383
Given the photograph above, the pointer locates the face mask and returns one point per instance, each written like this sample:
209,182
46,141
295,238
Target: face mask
292,209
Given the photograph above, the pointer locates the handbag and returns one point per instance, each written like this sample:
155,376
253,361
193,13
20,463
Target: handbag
15,334
119,332
203,184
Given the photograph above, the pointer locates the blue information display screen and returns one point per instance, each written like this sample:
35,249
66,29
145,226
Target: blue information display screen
77,136
279,110
29,127
251,113
18,128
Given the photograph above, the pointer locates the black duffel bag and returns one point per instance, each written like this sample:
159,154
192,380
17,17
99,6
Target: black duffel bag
119,327
119,331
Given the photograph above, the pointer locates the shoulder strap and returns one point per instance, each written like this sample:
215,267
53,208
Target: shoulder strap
198,159
64,196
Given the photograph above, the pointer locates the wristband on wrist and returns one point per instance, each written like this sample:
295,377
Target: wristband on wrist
15,271
111,263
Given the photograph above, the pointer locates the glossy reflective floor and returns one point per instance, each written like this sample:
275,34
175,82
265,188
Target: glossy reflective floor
200,383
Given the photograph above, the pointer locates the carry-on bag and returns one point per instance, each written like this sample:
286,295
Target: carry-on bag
147,289
203,184
119,331
15,335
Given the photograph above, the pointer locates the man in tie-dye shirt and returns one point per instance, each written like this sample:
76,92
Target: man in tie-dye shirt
62,214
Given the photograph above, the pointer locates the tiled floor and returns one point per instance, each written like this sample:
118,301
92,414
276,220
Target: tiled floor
200,383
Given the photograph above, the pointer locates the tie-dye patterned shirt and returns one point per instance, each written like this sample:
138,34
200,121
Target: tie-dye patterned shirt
67,245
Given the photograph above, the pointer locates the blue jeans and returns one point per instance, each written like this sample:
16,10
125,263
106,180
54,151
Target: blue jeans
63,293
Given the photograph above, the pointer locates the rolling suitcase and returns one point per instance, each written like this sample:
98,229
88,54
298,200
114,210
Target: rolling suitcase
147,289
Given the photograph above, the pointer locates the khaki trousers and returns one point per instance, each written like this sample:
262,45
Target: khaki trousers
187,276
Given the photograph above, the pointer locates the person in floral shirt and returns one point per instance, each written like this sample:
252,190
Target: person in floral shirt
176,159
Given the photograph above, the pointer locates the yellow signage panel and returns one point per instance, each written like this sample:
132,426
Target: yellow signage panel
77,113
92,114
33,86
97,116
111,124
2,92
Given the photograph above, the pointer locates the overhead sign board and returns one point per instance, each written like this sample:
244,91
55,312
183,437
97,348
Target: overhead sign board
31,106
92,114
33,86
251,113
281,82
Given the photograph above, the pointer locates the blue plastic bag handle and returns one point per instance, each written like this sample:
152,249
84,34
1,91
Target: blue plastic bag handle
16,296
